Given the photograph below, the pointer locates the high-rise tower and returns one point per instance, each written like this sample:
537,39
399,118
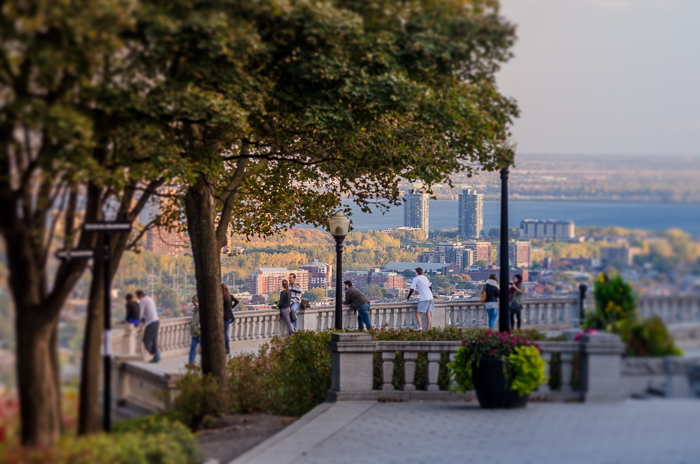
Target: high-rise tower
415,210
471,214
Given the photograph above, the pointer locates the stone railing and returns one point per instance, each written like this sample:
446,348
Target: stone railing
599,379
252,328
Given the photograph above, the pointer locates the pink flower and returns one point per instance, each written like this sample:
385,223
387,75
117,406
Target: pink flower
503,338
488,332
463,342
492,352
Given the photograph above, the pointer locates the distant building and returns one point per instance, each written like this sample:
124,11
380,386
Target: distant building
621,255
375,276
480,274
482,251
520,253
586,262
428,268
416,210
160,241
320,274
470,214
266,280
547,229
358,278
450,252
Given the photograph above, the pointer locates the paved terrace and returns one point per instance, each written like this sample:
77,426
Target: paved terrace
633,431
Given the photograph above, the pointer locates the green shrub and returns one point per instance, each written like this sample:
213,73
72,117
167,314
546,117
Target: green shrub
149,440
614,300
526,369
649,337
199,397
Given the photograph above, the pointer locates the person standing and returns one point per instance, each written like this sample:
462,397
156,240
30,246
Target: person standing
516,300
229,303
358,302
149,316
132,311
285,306
295,293
426,305
492,290
195,330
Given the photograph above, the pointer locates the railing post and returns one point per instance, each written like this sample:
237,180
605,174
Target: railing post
439,313
351,365
601,367
544,388
433,370
409,370
567,369
388,370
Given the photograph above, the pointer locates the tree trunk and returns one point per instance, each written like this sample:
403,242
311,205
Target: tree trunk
89,413
201,214
36,378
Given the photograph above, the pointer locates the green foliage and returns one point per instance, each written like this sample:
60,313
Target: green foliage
375,292
526,369
152,439
315,294
488,344
615,301
649,337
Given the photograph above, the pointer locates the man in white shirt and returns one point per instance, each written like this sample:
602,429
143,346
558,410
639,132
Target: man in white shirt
149,316
425,302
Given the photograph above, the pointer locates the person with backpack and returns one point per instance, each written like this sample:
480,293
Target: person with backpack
285,306
490,297
230,302
516,300
132,311
195,330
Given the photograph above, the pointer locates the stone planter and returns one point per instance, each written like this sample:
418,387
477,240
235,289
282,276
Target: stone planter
491,387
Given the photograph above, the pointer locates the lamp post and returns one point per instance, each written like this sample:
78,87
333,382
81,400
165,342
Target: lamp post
503,307
582,288
338,227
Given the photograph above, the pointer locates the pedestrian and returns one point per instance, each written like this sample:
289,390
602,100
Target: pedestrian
492,290
229,303
149,316
295,292
426,305
195,330
285,306
132,311
516,300
358,302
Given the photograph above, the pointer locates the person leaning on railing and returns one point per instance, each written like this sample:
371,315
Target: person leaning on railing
359,302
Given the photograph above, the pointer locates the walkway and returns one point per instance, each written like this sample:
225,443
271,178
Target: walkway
634,431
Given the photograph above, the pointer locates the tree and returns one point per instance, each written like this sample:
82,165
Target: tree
373,292
481,263
330,100
273,298
314,294
166,297
441,282
257,300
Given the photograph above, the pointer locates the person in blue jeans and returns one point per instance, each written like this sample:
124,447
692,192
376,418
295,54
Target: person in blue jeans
358,302
492,291
295,295
195,331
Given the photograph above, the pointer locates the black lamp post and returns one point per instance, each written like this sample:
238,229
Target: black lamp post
338,227
503,307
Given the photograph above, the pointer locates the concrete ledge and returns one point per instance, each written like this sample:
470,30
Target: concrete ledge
400,395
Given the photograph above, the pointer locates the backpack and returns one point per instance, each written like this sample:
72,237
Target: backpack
304,304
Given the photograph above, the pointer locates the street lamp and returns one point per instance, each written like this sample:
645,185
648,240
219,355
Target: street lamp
504,304
338,227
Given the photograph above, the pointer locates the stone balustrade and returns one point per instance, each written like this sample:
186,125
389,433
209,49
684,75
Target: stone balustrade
252,328
353,354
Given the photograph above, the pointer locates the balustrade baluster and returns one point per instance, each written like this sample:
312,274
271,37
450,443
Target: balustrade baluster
567,369
451,356
544,388
388,370
433,370
409,370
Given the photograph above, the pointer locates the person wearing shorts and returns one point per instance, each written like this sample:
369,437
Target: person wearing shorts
425,303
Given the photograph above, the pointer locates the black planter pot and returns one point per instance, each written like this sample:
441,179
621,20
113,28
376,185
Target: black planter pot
491,388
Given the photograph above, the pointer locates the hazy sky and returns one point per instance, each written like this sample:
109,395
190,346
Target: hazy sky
605,76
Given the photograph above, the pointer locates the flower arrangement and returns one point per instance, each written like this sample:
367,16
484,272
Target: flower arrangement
524,369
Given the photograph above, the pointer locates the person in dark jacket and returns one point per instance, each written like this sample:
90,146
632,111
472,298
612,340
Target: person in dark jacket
285,306
358,302
133,312
229,303
492,290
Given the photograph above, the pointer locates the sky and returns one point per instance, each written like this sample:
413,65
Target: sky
605,76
